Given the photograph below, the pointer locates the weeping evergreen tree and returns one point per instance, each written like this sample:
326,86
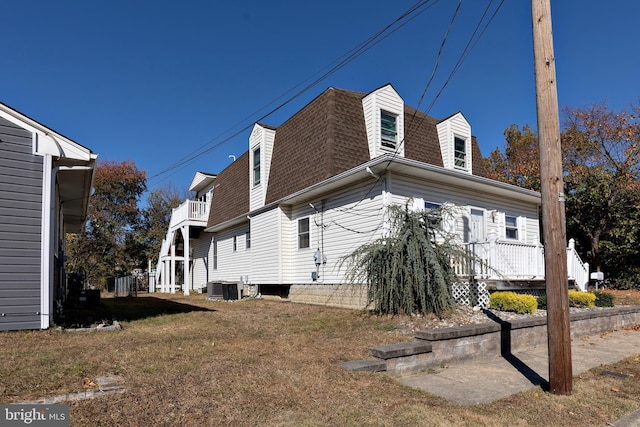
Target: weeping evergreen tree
410,270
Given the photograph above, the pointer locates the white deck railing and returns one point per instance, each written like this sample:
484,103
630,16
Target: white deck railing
517,260
190,210
576,269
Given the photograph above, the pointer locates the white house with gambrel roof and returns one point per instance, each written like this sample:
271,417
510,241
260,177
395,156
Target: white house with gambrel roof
310,191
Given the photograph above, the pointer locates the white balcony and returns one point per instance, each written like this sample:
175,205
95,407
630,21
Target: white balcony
191,211
514,260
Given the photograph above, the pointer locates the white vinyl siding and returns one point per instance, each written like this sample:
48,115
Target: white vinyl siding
267,251
349,218
452,132
261,143
461,199
231,264
200,267
375,105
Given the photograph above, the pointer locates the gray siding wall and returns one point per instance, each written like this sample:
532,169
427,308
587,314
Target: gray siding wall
20,229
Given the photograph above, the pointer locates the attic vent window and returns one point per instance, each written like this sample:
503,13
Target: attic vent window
388,130
460,153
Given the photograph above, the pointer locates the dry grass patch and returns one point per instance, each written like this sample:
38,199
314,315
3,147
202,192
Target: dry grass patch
188,361
625,297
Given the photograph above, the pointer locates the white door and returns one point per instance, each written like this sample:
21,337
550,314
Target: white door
476,226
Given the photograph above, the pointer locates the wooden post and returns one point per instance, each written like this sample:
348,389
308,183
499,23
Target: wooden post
552,191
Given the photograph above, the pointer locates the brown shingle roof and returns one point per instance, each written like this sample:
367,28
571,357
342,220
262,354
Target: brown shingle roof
231,192
421,137
478,168
326,137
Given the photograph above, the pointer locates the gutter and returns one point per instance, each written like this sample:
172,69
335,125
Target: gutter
388,161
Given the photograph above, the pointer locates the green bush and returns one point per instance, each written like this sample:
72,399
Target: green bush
604,299
511,301
542,302
581,299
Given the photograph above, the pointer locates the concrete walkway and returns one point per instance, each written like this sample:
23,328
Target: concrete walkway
494,378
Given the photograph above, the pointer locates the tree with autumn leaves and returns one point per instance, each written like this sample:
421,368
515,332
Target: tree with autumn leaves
120,235
601,161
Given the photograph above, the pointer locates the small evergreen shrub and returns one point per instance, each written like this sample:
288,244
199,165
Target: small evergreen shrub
604,299
581,299
542,302
511,301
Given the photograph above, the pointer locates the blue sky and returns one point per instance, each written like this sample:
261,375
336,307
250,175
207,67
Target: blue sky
157,81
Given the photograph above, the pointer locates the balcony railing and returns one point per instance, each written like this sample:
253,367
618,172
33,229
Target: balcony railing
190,210
516,260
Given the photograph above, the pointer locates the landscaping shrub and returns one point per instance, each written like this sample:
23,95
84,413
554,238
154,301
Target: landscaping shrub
581,299
409,271
542,302
511,301
604,299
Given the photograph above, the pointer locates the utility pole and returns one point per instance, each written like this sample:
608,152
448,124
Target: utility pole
552,191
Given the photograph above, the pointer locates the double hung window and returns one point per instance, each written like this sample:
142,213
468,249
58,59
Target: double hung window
511,227
304,239
460,153
256,166
388,130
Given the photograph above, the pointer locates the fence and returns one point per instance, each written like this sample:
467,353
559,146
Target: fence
126,286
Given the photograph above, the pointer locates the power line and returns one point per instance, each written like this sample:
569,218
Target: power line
465,53
340,62
467,50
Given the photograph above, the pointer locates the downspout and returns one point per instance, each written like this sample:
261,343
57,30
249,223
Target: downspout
385,202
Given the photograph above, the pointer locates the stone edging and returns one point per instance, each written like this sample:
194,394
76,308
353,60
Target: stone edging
435,347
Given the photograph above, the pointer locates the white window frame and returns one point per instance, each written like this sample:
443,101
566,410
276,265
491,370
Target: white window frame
247,239
463,158
303,233
256,166
235,243
511,227
387,142
435,218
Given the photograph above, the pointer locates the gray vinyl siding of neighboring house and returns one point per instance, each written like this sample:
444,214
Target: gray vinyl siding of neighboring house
20,229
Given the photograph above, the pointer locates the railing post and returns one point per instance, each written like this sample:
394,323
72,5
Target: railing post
539,260
570,258
493,254
173,268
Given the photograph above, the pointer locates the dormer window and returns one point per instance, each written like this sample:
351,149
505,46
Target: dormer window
460,153
256,166
388,130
